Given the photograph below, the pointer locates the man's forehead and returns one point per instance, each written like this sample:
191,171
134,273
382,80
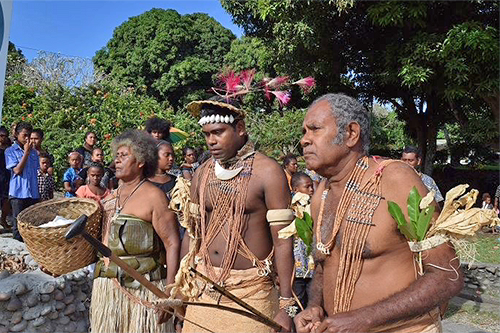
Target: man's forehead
317,111
214,127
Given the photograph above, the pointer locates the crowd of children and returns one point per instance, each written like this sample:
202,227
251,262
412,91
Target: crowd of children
27,169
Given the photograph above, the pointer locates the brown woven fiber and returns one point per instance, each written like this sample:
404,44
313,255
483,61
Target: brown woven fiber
48,246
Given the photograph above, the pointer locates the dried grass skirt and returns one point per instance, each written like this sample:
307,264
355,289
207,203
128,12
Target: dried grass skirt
113,312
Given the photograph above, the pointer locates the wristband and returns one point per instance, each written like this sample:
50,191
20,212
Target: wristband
289,305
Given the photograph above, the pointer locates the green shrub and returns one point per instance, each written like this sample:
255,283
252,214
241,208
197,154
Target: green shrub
65,115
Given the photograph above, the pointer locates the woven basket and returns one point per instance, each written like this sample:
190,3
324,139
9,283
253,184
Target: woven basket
48,246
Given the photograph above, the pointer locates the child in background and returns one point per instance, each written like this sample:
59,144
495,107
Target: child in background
94,190
46,183
71,177
302,185
487,201
98,157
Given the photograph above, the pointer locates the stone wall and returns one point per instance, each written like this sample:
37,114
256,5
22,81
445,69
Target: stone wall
482,282
36,302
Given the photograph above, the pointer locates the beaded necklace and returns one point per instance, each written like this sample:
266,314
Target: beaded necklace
228,201
351,187
357,204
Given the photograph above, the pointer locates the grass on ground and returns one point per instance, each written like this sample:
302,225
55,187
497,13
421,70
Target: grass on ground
488,248
471,315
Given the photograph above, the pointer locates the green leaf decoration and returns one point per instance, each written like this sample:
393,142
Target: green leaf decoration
413,202
304,231
308,219
424,220
397,214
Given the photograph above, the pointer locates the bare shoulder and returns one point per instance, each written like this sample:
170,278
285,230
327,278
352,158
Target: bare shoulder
398,179
267,167
397,173
195,181
199,170
270,178
153,194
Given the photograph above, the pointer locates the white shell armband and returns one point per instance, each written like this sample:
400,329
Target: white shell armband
279,216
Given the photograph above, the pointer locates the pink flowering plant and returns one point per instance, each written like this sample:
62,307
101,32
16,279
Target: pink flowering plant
233,85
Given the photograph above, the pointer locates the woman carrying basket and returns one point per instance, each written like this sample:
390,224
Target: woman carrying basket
138,227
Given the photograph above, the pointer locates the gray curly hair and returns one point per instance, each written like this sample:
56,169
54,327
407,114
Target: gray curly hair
142,146
345,110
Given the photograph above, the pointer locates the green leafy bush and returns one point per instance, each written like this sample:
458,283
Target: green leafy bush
65,115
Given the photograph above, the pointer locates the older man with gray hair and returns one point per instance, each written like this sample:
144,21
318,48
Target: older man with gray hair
365,278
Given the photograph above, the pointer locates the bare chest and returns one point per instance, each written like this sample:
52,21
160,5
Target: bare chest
337,229
233,195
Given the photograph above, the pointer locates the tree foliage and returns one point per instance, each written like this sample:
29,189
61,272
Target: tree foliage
308,38
275,134
250,52
424,69
65,113
388,136
431,60
169,55
48,69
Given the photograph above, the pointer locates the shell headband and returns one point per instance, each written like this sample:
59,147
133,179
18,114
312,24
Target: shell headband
217,112
215,118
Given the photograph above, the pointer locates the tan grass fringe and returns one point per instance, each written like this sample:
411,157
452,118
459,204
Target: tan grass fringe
113,311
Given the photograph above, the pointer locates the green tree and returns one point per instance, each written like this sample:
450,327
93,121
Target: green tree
263,131
15,63
65,114
308,38
169,55
440,61
388,136
250,52
472,143
426,58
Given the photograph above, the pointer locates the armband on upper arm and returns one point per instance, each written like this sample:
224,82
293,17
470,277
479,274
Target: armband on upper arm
279,216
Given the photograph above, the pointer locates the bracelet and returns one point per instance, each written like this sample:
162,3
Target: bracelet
289,305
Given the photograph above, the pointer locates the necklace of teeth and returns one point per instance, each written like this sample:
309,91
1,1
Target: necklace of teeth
225,174
216,118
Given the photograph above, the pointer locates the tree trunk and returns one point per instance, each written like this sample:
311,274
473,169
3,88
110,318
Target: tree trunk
421,131
494,103
431,126
431,148
454,158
